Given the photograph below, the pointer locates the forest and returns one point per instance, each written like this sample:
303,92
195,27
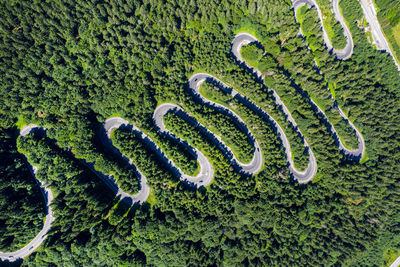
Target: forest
69,65
389,18
332,27
21,202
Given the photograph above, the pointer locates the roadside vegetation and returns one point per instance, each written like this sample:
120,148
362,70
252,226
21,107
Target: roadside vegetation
232,133
389,18
332,26
300,155
142,156
318,85
180,154
68,65
21,202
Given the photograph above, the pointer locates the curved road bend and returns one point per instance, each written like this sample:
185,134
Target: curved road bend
203,178
40,237
240,40
48,195
347,51
195,82
206,173
246,38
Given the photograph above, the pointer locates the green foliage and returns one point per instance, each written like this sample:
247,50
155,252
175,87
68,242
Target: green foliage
315,82
259,125
390,10
142,156
230,131
70,64
389,18
76,236
178,153
21,202
332,26
252,53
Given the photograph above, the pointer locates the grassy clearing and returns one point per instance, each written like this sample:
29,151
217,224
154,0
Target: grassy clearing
365,157
390,256
21,122
396,39
151,199
247,29
332,89
116,114
396,33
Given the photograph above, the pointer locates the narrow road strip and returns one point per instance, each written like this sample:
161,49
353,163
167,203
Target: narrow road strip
41,236
378,36
240,40
354,154
344,53
206,173
195,82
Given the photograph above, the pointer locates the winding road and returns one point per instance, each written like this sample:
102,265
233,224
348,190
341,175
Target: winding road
378,36
206,173
347,51
140,197
300,176
370,15
108,126
242,39
203,178
48,197
195,82
341,54
238,42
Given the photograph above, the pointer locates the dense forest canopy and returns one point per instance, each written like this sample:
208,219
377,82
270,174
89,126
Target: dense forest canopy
389,18
389,9
68,65
22,206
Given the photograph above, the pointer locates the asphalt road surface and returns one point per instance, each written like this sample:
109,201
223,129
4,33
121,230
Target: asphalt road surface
108,126
48,195
206,172
195,82
356,154
240,40
376,30
396,263
341,54
40,237
246,38
347,51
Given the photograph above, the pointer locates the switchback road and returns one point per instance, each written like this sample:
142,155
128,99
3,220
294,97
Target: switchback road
48,197
206,172
238,42
347,51
195,82
242,39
